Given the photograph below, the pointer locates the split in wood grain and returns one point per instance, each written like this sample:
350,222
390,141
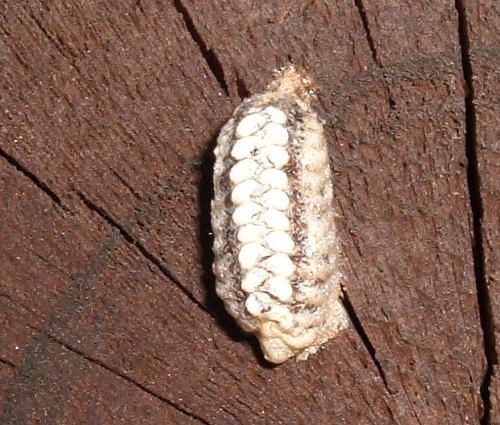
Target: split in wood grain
364,19
34,179
142,249
365,339
7,363
209,55
124,376
476,204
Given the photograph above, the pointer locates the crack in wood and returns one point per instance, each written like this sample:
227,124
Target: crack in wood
364,338
364,19
66,306
209,55
474,186
42,340
141,248
124,182
7,363
127,378
33,178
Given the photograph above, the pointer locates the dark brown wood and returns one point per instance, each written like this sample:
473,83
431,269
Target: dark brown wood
108,114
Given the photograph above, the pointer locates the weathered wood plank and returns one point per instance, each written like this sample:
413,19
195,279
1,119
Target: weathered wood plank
39,242
409,29
43,249
419,206
482,34
91,116
66,388
113,106
403,198
41,287
186,359
251,39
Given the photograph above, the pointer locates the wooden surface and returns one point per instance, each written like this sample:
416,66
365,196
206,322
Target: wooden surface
483,26
108,113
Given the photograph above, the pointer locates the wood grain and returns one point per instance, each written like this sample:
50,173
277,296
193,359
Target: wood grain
108,114
482,63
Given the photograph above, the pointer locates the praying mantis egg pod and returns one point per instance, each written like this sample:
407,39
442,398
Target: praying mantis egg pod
277,258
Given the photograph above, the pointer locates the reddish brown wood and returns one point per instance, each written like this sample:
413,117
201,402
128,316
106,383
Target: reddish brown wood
483,32
108,114
494,394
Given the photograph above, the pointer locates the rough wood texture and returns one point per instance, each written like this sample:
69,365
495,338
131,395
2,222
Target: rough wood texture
108,112
481,28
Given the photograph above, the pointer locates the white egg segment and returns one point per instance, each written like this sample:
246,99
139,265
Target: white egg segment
274,156
275,219
275,115
245,147
274,178
243,170
257,303
250,124
246,213
254,278
275,199
251,233
279,287
243,191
